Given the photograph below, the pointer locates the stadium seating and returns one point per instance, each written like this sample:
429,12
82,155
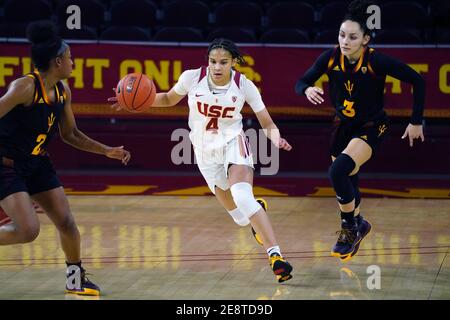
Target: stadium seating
119,33
266,21
242,14
293,36
398,36
179,34
235,34
291,15
93,12
85,33
138,13
186,13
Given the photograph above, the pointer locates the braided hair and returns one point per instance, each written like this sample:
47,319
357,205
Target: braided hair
228,45
45,44
357,12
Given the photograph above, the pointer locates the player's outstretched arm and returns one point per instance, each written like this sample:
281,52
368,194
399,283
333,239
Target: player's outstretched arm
71,135
305,85
162,99
271,130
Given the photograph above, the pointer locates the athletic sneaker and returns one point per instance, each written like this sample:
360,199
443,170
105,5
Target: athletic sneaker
349,237
280,267
86,287
364,228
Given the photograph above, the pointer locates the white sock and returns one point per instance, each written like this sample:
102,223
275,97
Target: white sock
274,249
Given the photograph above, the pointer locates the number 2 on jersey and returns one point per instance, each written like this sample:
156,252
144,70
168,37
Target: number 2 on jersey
40,140
349,111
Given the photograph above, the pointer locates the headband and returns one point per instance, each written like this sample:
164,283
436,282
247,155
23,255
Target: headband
62,48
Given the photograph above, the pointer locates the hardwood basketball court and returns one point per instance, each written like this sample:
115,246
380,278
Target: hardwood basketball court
187,247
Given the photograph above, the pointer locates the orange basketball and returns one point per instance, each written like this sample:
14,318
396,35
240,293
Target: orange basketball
135,92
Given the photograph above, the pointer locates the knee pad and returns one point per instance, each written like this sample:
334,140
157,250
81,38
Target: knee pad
343,165
238,217
355,183
242,193
339,175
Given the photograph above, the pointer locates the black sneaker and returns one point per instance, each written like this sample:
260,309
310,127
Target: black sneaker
84,287
364,228
348,239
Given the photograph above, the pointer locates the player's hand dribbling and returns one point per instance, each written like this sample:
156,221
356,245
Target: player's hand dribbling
413,132
116,106
119,153
314,95
283,144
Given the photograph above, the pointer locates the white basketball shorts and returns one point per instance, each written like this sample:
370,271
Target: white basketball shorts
213,164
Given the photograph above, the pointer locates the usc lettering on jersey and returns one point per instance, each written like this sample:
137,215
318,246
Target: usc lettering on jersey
215,117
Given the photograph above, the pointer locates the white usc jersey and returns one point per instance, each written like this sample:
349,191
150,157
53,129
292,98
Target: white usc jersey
215,117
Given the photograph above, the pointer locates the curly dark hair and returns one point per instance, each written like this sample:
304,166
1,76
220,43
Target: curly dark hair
45,43
229,46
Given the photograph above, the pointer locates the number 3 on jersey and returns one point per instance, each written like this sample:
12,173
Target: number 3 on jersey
40,140
348,111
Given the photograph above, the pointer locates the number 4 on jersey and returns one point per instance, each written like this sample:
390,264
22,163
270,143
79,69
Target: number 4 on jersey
212,124
214,112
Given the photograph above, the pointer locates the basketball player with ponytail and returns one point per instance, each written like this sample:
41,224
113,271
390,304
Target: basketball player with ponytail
216,95
357,75
31,111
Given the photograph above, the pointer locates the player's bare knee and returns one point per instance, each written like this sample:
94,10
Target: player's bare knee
28,232
66,224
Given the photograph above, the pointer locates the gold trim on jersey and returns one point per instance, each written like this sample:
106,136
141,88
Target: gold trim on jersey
41,83
60,98
333,56
44,93
36,94
358,66
369,65
57,93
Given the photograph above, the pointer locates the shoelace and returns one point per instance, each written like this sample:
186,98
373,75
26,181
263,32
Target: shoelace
346,236
84,278
275,258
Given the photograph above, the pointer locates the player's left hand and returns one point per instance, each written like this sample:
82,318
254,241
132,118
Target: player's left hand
116,106
119,153
283,144
413,132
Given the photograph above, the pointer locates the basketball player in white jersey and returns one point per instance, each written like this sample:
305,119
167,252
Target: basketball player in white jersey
216,95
